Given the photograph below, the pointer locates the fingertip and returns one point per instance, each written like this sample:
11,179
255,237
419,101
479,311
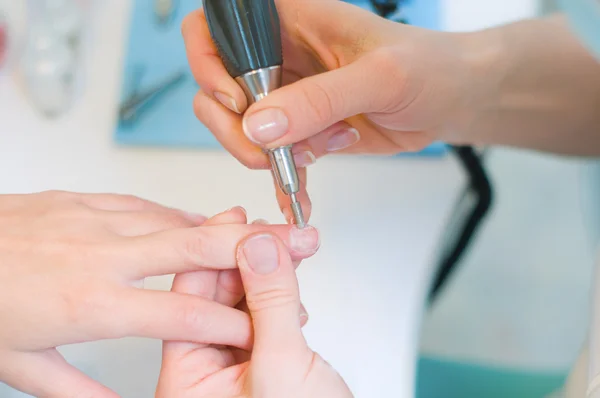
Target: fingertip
188,23
239,213
304,241
304,159
235,215
207,66
228,101
238,209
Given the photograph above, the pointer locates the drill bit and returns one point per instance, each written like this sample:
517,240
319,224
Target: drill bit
297,212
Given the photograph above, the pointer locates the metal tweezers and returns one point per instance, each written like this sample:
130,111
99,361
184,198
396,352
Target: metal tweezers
138,102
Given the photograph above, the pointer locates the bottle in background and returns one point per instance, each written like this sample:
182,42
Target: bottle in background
51,66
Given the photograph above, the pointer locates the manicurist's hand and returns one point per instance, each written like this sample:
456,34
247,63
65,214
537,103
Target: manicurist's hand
72,268
280,363
354,82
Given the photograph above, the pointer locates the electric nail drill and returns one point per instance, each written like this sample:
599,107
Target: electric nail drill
247,35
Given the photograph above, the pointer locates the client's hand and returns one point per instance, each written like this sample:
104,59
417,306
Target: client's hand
70,269
280,363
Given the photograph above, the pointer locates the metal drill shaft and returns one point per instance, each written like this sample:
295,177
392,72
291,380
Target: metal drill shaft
257,85
285,172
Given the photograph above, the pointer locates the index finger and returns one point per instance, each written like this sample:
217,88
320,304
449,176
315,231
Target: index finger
212,247
206,64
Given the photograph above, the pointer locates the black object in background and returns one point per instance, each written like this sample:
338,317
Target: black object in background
469,213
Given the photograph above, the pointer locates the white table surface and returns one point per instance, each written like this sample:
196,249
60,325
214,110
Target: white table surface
364,290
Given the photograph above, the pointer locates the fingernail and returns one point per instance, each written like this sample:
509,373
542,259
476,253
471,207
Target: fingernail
266,126
305,240
240,208
303,314
304,159
228,101
262,254
260,221
343,140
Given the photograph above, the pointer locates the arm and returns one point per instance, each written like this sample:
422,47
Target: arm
539,88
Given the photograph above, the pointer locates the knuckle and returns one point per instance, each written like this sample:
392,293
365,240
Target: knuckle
191,316
270,299
196,248
85,303
320,101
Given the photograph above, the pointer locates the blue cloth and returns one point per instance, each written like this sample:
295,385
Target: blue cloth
159,51
438,378
584,16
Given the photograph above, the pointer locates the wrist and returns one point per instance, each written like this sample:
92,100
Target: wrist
485,62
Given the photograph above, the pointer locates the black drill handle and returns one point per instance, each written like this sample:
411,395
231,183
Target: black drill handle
247,34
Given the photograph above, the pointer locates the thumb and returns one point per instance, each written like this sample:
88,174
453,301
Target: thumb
272,293
311,105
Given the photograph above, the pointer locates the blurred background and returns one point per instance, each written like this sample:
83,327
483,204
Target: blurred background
96,96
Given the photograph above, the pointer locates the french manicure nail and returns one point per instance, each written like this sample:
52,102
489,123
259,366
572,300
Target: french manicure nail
304,159
343,140
262,254
305,240
266,126
227,101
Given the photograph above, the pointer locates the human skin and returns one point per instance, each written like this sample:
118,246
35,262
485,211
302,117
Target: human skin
72,268
280,363
367,85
